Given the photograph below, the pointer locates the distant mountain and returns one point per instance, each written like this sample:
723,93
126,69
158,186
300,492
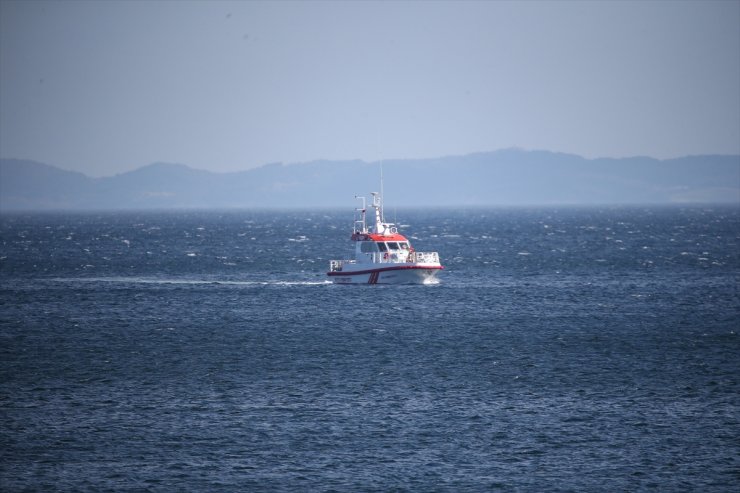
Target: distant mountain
32,185
506,177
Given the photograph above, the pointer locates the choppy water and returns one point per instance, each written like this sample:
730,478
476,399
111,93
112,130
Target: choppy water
564,349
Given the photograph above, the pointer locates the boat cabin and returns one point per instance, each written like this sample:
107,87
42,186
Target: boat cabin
383,249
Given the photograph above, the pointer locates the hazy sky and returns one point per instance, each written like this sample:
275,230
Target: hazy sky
106,87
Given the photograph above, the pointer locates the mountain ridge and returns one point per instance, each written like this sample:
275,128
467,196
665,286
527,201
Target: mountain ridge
503,177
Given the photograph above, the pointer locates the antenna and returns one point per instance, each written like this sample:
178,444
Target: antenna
382,215
380,160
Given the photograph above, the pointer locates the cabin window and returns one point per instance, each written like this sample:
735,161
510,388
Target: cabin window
404,246
382,247
367,247
393,245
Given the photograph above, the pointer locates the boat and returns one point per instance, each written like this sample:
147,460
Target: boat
383,255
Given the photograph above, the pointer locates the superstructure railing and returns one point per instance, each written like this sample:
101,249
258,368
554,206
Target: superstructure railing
412,258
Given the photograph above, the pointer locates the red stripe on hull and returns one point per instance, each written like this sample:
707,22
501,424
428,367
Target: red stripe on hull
382,269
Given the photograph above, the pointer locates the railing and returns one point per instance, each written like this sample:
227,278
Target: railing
425,257
336,265
403,257
390,258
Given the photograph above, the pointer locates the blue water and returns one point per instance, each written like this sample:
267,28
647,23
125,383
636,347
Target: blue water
564,350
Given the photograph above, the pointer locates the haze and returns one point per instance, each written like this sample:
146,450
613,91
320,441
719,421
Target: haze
106,87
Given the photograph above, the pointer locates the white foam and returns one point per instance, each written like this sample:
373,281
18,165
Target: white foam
142,280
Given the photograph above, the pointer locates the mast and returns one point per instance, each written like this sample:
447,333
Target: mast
361,223
378,206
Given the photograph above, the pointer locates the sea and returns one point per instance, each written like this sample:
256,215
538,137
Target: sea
563,349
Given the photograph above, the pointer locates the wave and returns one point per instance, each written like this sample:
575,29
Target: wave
144,280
